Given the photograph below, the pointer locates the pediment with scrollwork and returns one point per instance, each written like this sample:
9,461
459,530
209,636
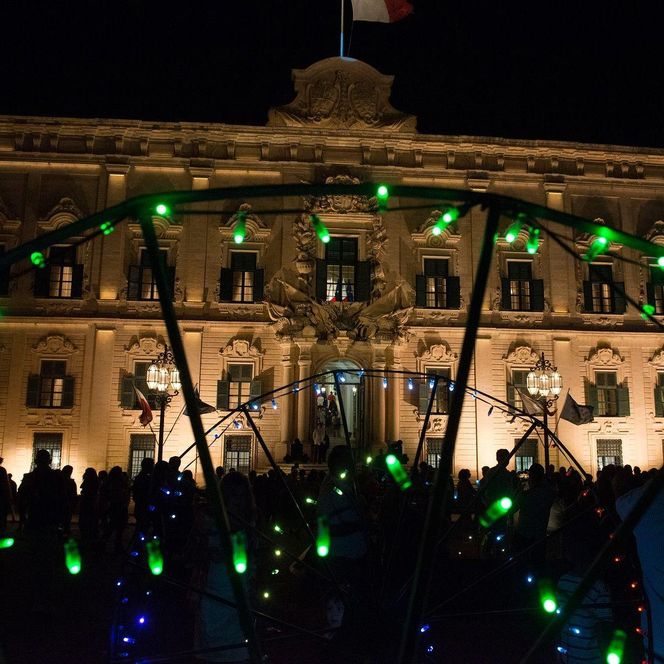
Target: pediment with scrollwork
604,357
145,346
521,356
55,344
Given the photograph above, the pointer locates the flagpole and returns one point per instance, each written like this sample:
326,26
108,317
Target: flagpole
559,411
341,32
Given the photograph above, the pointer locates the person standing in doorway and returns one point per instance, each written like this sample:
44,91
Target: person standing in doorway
317,437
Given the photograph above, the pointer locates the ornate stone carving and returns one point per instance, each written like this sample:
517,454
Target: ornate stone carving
340,203
240,348
522,355
656,233
605,357
55,344
658,358
340,93
439,353
145,346
65,210
256,229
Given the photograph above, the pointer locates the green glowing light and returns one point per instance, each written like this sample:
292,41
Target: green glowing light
398,473
277,552
72,556
274,572
240,229
6,542
506,503
320,228
309,501
155,556
549,605
278,529
107,227
239,542
322,537
161,209
533,241
513,231
616,649
368,460
599,245
436,230
382,193
648,310
495,511
266,595
343,474
38,259
450,215
660,262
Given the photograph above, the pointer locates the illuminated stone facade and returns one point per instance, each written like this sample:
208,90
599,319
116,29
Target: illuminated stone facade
72,342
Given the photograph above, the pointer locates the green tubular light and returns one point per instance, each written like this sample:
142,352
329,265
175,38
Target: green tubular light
513,231
38,259
161,209
547,596
616,650
107,227
533,240
599,246
648,311
155,557
6,542
368,460
498,509
382,193
239,542
398,473
320,228
72,556
322,537
240,229
278,529
660,262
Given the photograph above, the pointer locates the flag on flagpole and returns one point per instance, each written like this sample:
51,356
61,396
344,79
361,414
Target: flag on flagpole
530,405
381,11
576,413
146,412
203,408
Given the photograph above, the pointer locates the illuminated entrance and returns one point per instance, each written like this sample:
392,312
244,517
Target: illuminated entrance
326,409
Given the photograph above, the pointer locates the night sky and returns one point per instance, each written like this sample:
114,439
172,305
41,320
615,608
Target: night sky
582,71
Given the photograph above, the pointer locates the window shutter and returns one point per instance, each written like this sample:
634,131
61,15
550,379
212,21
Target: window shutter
77,282
505,300
226,285
588,297
4,275
134,282
537,297
623,400
42,281
127,394
363,281
255,390
453,293
170,278
68,392
321,278
650,293
511,393
659,401
619,303
591,394
32,397
258,285
222,395
424,396
420,290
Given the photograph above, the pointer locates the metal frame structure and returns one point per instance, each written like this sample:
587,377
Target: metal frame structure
142,208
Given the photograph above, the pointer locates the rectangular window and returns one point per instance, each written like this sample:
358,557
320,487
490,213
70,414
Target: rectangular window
239,386
341,261
52,383
609,451
441,401
4,274
435,274
657,289
147,283
434,450
520,276
526,455
52,443
141,446
607,393
237,453
243,267
61,271
519,377
601,280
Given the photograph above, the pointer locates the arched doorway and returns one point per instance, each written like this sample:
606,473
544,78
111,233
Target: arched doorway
326,409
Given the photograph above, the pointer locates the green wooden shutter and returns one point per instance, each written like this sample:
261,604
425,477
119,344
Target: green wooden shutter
511,394
420,290
134,282
505,299
588,297
77,282
659,401
363,281
321,279
537,295
453,292
42,281
222,394
258,285
68,392
226,285
623,400
32,396
255,390
591,394
650,293
617,292
423,396
127,394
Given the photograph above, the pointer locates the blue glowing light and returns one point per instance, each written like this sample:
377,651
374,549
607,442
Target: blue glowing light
142,620
425,628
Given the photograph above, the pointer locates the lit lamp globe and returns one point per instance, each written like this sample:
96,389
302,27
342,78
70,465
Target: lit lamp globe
556,383
175,379
162,384
152,376
544,384
532,383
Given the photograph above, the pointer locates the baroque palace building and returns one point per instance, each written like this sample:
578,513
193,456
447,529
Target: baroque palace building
385,293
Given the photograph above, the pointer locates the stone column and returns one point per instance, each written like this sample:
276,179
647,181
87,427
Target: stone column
394,396
286,402
558,265
192,261
304,401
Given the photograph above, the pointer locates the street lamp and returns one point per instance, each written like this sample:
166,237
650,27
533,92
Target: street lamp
545,383
163,378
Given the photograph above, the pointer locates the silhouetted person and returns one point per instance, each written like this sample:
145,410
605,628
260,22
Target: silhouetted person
465,494
13,491
141,490
219,471
71,497
88,511
5,498
116,491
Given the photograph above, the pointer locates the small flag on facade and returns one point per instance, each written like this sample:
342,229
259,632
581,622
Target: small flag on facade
146,412
381,11
530,405
203,408
575,413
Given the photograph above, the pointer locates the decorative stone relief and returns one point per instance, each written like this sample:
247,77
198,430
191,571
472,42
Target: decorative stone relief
439,353
240,348
256,229
657,359
63,213
55,344
522,355
604,357
145,346
656,233
340,93
340,203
